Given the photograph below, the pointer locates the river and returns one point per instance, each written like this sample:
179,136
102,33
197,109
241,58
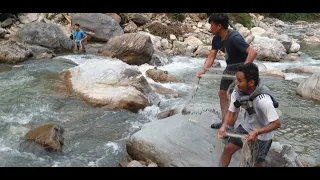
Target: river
33,94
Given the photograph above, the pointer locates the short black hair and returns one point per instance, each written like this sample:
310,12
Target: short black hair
77,25
220,18
251,72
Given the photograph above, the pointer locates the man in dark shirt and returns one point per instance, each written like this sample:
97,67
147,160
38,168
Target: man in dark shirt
237,52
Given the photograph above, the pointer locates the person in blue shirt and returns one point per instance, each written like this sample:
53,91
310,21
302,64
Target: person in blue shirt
79,37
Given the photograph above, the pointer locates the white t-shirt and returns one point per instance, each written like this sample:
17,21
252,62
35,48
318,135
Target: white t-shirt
265,113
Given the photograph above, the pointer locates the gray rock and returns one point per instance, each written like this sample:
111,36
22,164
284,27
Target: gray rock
115,16
159,59
43,34
130,27
114,85
187,141
135,163
12,52
99,26
287,45
3,32
49,137
138,18
175,141
41,52
8,22
132,48
282,156
310,88
29,17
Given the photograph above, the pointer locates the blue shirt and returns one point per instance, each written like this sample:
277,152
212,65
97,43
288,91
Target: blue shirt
78,36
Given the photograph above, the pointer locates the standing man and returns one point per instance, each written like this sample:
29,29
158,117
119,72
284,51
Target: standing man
237,52
79,37
260,118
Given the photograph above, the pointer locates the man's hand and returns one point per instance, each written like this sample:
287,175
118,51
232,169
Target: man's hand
252,137
222,132
200,73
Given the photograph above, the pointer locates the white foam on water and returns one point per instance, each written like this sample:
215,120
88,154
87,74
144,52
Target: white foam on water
182,64
150,111
56,164
92,164
114,146
81,59
279,65
18,131
24,117
291,76
4,149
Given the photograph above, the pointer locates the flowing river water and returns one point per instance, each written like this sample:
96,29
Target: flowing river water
32,94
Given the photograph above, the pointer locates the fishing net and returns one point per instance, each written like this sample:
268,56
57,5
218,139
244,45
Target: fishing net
250,153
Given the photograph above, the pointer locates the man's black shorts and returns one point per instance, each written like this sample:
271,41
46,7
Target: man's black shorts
230,70
261,147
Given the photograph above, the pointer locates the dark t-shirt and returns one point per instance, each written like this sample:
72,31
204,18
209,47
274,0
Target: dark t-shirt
234,46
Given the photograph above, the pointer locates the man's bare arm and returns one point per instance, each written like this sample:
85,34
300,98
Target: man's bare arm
270,127
210,59
85,37
229,119
252,54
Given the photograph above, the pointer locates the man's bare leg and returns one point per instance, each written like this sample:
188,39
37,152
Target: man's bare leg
229,150
224,103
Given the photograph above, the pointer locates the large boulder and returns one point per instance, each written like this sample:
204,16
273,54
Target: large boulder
202,51
160,75
311,40
138,18
193,41
159,59
175,142
257,31
49,137
43,34
268,49
98,26
29,17
130,27
40,52
179,48
164,31
282,155
156,40
115,16
186,141
132,48
13,52
112,84
310,88
6,23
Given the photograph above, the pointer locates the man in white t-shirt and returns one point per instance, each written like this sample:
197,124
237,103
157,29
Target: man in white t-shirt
260,118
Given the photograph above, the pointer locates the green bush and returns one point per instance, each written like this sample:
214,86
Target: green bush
243,18
178,17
